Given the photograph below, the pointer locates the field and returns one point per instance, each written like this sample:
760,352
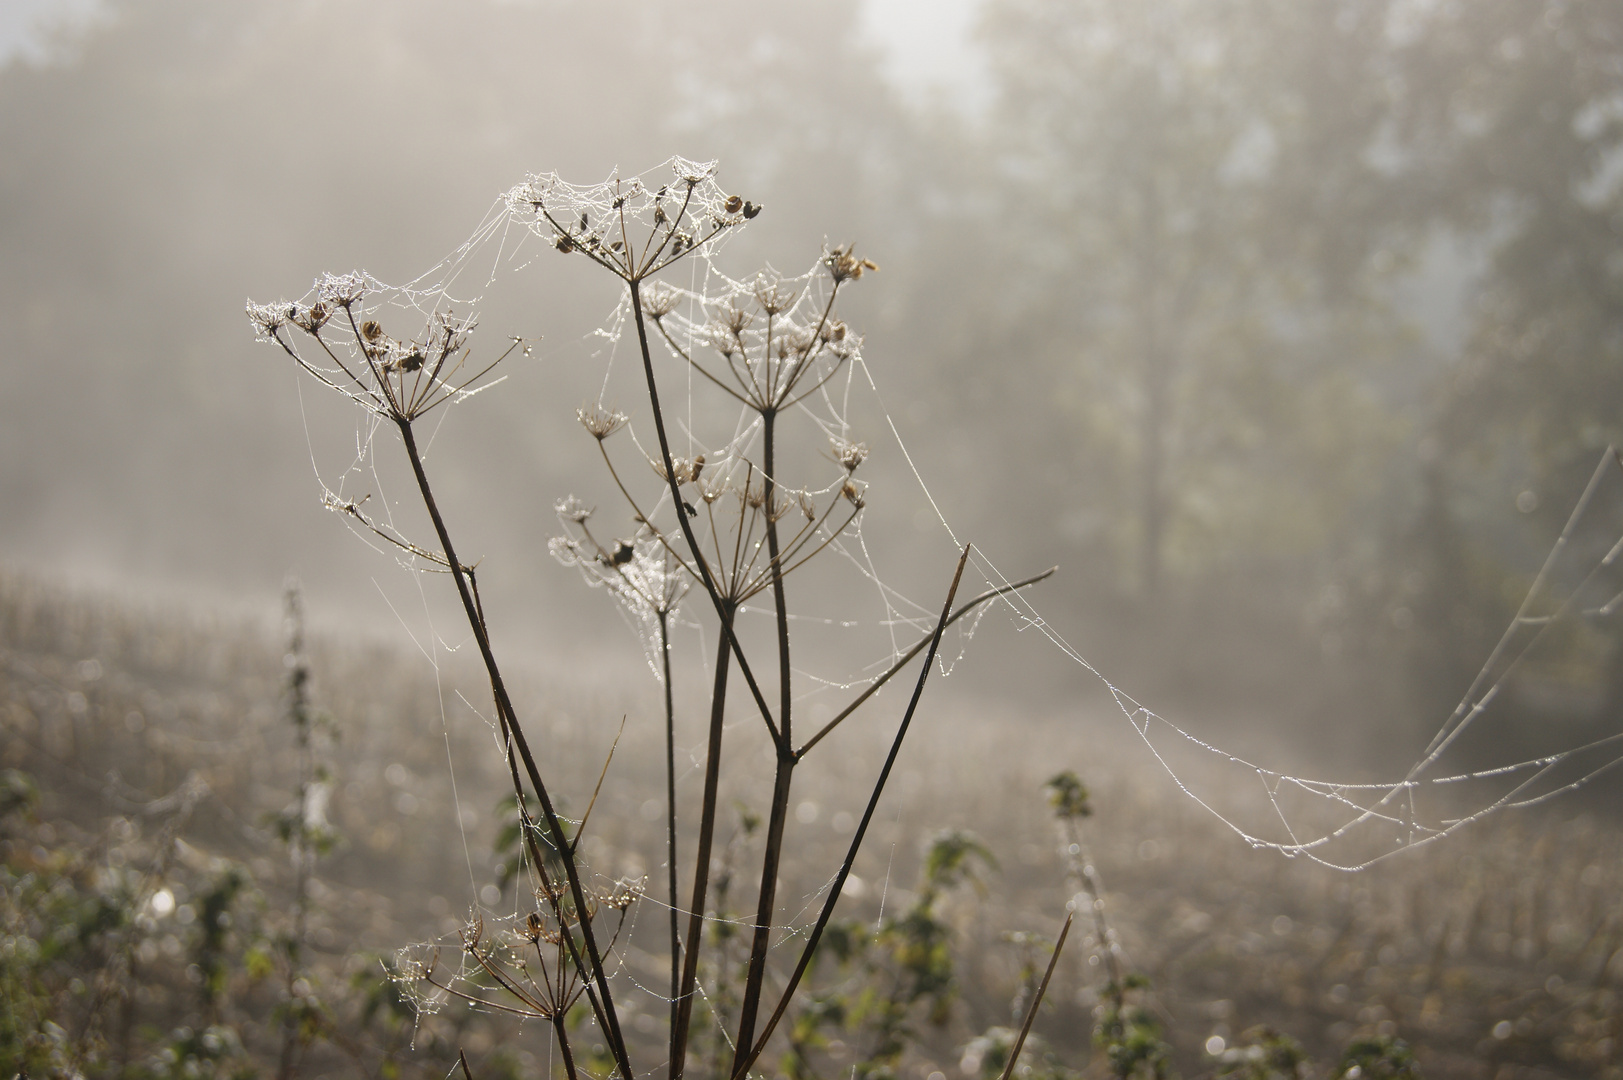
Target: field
160,757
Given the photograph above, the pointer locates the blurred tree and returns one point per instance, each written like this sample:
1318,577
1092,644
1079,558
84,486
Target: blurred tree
1513,114
1194,193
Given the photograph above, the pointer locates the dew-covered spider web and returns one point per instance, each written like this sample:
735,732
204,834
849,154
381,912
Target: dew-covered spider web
731,347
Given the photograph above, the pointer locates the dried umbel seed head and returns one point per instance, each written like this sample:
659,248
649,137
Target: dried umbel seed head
713,488
735,319
796,341
412,361
686,471
771,294
599,421
852,490
267,318
734,204
844,265
659,300
568,550
832,330
621,895
372,331
313,318
849,454
572,509
341,290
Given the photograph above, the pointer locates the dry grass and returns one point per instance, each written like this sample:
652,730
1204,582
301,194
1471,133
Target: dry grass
1497,951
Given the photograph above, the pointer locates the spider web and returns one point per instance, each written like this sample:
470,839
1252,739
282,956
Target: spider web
1345,824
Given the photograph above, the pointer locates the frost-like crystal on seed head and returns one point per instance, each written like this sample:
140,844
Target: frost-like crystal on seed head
267,318
632,226
341,290
599,421
572,509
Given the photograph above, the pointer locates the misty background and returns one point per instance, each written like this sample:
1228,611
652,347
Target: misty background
1290,332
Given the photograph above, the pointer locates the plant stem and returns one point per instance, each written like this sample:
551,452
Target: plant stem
670,812
766,906
838,884
562,1035
730,640
515,734
1037,1000
701,860
874,687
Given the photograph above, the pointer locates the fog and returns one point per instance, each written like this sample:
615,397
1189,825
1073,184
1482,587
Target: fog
1288,332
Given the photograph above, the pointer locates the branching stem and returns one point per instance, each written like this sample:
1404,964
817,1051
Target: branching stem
513,732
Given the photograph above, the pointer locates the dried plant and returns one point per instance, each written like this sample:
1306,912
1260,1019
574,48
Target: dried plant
724,519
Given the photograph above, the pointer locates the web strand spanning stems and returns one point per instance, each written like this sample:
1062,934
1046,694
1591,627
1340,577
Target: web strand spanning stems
607,1017
1465,711
877,684
741,1068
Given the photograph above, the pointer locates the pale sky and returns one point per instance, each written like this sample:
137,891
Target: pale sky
927,42
928,46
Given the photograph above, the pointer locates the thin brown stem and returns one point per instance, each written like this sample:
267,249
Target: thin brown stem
684,354
1042,988
561,1034
710,587
701,861
670,811
608,1018
766,905
837,886
874,687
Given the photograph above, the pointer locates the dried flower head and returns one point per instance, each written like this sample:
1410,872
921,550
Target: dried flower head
621,895
628,225
660,299
311,319
849,454
853,491
341,290
686,470
714,486
844,265
771,293
267,318
572,509
568,550
599,421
